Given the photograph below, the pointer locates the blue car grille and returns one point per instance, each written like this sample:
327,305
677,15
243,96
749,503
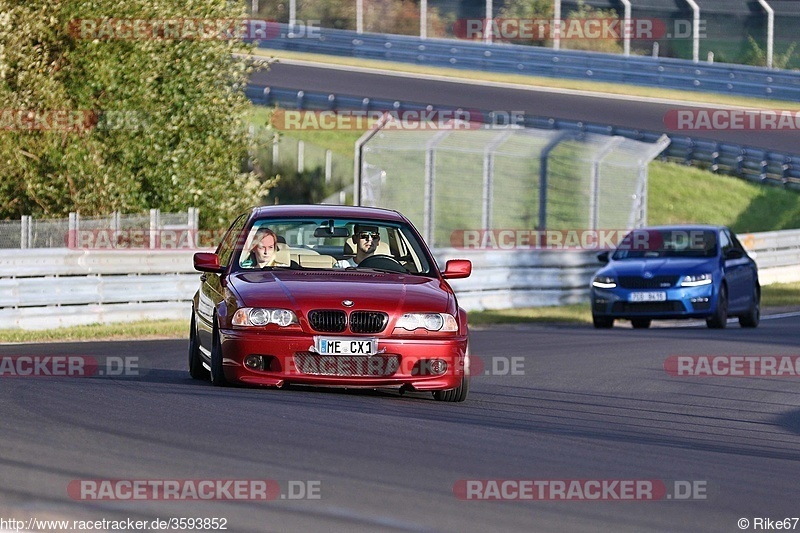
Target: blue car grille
656,282
648,307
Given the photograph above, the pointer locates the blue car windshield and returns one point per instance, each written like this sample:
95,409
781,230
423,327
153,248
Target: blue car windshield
652,243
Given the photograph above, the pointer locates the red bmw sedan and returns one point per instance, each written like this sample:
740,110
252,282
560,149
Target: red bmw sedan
329,295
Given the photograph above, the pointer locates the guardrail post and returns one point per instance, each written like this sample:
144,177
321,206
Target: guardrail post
300,98
301,156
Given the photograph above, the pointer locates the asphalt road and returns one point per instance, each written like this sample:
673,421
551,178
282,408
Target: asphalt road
581,405
618,111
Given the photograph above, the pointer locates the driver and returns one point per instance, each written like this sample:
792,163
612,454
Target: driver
366,239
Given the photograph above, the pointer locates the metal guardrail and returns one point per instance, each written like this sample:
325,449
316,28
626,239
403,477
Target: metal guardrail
52,287
754,164
504,279
666,73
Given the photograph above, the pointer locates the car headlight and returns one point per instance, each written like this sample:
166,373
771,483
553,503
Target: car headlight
604,282
696,280
258,316
429,321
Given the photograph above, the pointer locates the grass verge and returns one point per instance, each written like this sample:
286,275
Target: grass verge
142,330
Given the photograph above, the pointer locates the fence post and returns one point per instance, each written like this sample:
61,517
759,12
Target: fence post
72,231
545,154
24,222
301,156
154,225
328,166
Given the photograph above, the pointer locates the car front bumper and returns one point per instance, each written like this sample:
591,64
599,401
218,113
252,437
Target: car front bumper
291,358
679,302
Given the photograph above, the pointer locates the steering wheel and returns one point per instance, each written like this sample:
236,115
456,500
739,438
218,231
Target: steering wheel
383,262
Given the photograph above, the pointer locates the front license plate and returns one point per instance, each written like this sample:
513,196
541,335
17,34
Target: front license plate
345,346
660,296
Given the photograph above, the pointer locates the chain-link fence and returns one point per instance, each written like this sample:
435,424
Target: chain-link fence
450,181
78,231
324,170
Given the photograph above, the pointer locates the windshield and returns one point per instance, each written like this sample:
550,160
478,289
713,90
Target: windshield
332,244
650,243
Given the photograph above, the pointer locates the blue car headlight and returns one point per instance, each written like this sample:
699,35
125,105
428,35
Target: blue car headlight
604,282
696,280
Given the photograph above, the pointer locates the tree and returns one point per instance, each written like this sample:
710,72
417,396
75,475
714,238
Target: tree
154,119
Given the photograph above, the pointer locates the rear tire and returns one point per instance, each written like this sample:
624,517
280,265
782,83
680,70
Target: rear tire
196,368
641,323
217,375
720,318
753,316
601,322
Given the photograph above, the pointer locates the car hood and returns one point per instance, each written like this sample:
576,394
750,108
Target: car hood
659,266
303,291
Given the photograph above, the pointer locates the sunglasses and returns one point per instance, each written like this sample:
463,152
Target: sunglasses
364,235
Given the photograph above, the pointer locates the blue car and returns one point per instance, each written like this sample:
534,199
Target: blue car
677,272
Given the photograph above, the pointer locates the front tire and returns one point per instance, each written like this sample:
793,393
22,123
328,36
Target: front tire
459,394
753,316
601,322
217,375
196,368
720,318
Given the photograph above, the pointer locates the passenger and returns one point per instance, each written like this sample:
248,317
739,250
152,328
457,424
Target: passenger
263,251
366,240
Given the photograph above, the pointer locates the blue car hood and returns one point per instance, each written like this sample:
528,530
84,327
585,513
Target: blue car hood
660,266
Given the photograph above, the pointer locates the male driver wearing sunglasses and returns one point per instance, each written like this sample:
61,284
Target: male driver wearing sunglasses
366,239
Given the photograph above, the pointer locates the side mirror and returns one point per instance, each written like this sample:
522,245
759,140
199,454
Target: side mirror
207,262
457,269
603,257
734,253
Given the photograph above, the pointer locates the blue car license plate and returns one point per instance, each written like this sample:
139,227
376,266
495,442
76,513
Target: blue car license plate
658,296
